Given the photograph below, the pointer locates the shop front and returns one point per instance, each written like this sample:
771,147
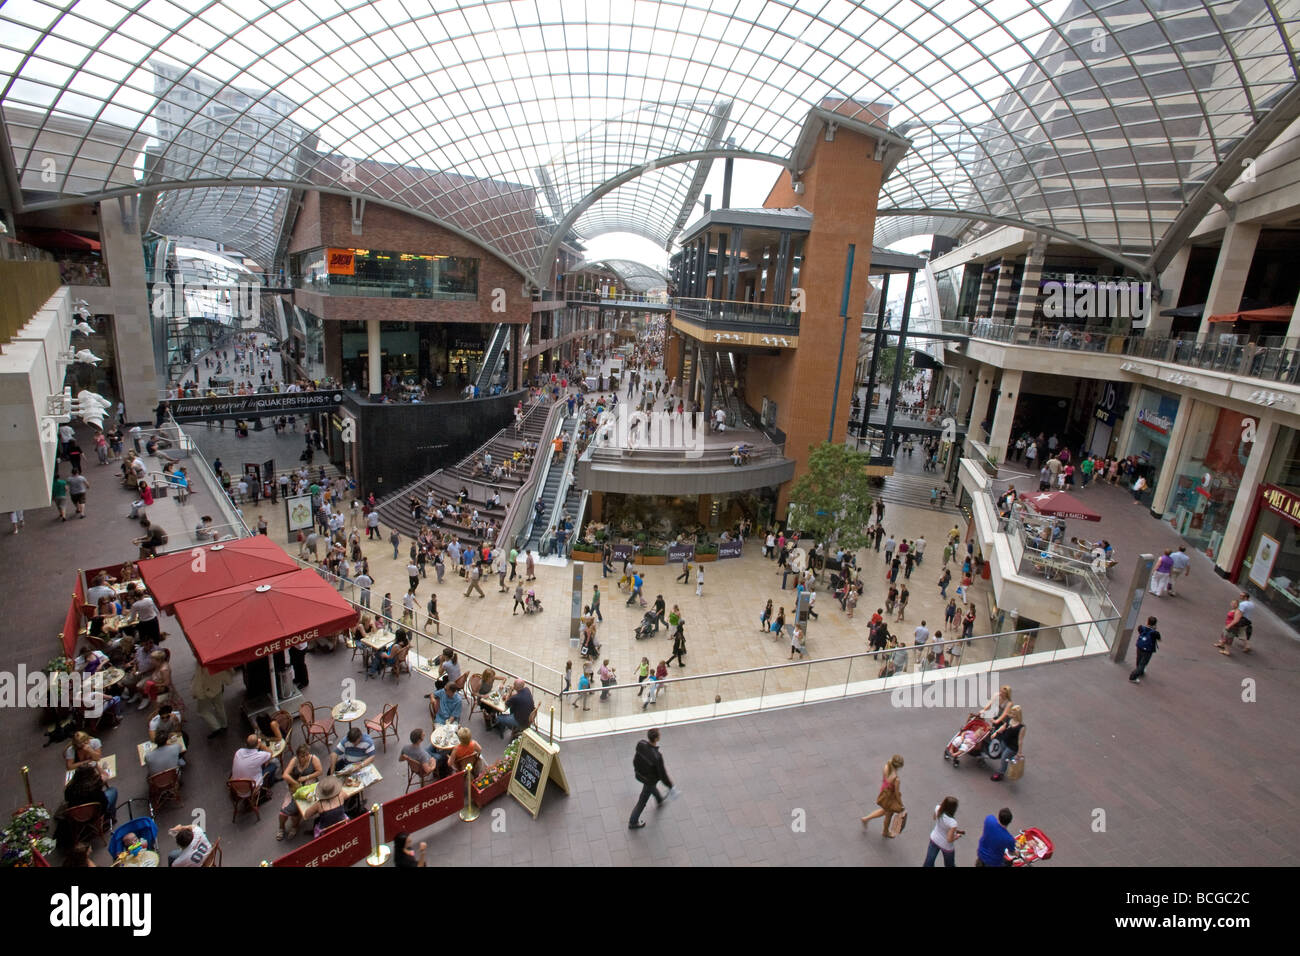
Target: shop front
1208,479
1155,413
1269,566
1109,408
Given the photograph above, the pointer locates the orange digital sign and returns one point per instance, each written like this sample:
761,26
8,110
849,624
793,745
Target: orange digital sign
340,262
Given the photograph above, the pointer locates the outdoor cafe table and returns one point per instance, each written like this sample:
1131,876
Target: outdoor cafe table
112,676
444,736
148,747
493,701
364,777
345,711
107,765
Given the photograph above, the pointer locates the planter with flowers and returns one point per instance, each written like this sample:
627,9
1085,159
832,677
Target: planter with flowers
496,779
28,824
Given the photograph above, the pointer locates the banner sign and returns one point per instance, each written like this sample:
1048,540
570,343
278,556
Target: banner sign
424,807
341,846
340,262
729,549
621,552
251,406
678,553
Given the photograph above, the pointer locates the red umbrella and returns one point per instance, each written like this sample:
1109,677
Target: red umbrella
181,575
1061,505
254,620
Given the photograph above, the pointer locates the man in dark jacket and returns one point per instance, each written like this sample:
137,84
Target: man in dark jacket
1148,637
649,766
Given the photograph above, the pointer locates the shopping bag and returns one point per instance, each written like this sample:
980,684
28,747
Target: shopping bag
896,825
1016,769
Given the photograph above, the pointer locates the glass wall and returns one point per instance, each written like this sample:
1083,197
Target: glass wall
386,274
1156,412
1270,567
1208,479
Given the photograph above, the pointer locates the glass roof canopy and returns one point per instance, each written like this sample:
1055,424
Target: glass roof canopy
517,121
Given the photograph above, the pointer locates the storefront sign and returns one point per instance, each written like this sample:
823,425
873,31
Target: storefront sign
340,262
1154,421
677,553
425,807
341,846
1285,503
621,552
1261,569
252,406
729,549
1108,406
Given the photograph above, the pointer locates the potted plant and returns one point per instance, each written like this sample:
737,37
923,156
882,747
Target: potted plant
704,553
495,780
29,824
652,554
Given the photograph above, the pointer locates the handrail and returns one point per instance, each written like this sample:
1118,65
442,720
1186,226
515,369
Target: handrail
525,489
534,487
561,491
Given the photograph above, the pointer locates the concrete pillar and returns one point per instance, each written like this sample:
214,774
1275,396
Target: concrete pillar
136,353
375,358
1027,304
1293,330
980,408
1169,469
1002,291
966,396
1230,271
1261,450
1171,285
987,281
1008,396
705,509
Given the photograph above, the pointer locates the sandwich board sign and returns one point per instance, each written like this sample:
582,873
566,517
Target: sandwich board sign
537,763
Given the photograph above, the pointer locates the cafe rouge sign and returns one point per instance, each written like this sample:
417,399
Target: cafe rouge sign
280,643
1285,503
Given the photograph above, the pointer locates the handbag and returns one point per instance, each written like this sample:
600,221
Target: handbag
898,822
1016,769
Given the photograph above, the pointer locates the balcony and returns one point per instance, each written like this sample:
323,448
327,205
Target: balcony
754,317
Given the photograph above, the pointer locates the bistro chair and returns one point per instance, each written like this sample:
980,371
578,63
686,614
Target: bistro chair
164,786
214,855
385,724
285,721
475,682
244,796
321,729
90,822
415,772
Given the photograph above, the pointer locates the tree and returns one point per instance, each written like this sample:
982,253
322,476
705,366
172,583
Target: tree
833,495
885,367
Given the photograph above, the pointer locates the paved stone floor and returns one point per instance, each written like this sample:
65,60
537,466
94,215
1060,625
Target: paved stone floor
1189,768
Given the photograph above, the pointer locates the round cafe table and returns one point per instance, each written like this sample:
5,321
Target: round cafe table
345,712
112,676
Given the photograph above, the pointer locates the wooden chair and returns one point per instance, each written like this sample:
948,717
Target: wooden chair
475,682
214,855
321,729
89,821
398,664
458,684
244,795
385,725
474,762
164,786
284,720
416,772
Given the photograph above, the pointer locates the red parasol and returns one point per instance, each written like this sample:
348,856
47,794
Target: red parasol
254,620
181,575
1060,505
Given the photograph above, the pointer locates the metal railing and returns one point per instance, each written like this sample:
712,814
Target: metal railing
778,319
547,543
906,671
1272,358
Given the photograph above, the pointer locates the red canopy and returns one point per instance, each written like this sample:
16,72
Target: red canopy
61,239
1276,313
189,573
253,620
1061,505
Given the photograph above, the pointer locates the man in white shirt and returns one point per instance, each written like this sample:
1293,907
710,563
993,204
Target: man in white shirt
364,582
254,762
919,637
1182,567
192,846
100,590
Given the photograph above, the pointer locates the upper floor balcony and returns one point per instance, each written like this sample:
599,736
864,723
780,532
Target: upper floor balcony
723,316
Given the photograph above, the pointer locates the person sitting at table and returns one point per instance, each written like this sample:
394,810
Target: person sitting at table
329,807
519,710
160,679
84,751
169,720
467,753
447,700
353,752
486,682
404,855
101,588
449,664
268,728
304,768
90,660
254,761
429,759
87,786
164,756
381,659
138,670
192,846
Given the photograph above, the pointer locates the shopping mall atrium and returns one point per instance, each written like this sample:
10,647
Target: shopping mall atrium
351,351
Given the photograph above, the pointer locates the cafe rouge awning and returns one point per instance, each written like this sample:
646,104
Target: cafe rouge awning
1277,313
191,572
253,620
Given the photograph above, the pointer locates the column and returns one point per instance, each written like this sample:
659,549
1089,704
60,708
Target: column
1004,416
375,356
980,408
1169,468
733,263
777,293
967,394
1171,285
1293,330
1261,450
139,344
1230,271
987,281
1027,304
1002,291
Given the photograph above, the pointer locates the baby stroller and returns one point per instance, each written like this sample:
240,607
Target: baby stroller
974,739
647,626
1032,845
531,604
142,831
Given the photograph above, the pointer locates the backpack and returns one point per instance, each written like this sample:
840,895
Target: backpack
642,764
1146,638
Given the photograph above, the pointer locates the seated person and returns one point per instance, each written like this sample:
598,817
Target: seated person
467,754
304,768
203,531
329,808
385,657
84,751
519,709
167,719
735,454
353,752
102,588
429,759
255,762
447,701
87,786
449,665
165,755
192,846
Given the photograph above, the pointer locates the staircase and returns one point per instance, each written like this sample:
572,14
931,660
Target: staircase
549,491
487,374
446,483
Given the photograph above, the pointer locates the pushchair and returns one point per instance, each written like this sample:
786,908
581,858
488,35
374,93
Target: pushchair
1032,845
531,604
973,740
142,831
647,627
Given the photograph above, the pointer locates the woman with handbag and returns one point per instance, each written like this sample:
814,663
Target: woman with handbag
889,801
1012,735
945,834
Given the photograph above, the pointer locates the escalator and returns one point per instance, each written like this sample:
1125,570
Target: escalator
492,372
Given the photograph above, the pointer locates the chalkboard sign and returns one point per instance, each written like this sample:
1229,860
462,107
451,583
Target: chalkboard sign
528,771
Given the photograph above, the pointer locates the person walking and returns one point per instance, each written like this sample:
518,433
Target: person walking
364,582
1237,623
699,580
595,603
59,495
679,645
432,615
1012,735
945,834
637,583
778,625
1148,638
889,801
648,765
408,607
530,566
685,576
608,678
1182,566
903,596
944,580
996,839
890,546
514,558
1160,574
209,697
77,487
519,599
475,572
642,672
413,575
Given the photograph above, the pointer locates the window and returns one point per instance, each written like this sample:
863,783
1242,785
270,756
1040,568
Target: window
388,274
